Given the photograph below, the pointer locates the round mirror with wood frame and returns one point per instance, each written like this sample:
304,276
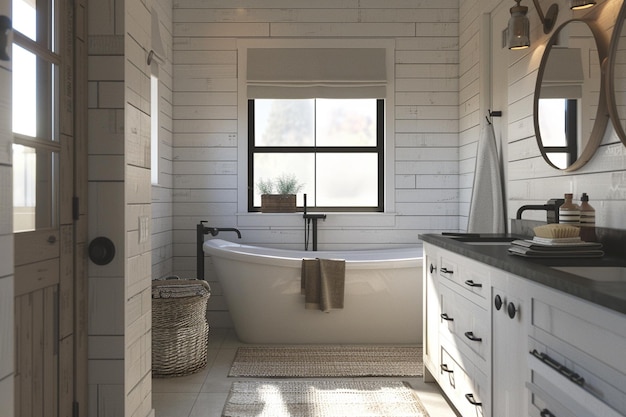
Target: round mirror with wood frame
616,76
569,110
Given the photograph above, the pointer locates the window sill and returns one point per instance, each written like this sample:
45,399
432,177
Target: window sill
333,219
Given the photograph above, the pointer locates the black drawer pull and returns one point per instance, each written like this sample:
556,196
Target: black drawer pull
432,268
566,372
546,413
470,398
471,283
446,271
445,317
444,368
470,336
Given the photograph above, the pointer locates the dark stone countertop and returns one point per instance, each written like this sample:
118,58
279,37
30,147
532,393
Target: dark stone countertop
611,295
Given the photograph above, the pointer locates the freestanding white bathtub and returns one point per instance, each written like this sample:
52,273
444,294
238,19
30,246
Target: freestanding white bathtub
382,302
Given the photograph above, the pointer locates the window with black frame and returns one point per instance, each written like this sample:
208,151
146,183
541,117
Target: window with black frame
559,129
332,147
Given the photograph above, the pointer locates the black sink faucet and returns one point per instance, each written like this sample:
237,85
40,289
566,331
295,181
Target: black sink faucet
551,208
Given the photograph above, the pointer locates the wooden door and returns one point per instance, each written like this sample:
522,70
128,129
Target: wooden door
45,208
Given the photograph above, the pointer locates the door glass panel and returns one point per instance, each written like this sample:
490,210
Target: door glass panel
35,190
25,18
24,92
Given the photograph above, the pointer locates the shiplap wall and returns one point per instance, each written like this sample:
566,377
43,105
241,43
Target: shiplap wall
207,151
120,200
531,180
106,206
6,237
162,193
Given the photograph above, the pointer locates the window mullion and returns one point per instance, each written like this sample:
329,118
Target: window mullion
36,48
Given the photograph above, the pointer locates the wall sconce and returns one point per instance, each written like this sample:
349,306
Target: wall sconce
581,4
519,26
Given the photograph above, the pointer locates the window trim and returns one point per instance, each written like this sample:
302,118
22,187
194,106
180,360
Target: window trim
379,149
241,134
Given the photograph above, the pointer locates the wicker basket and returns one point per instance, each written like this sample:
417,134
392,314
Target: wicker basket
179,327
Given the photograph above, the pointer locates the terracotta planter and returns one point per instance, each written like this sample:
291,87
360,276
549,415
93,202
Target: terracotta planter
278,203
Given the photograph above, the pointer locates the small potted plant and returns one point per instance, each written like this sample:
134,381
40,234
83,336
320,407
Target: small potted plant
279,196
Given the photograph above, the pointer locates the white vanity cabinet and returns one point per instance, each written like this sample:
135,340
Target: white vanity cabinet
576,357
542,353
457,336
510,315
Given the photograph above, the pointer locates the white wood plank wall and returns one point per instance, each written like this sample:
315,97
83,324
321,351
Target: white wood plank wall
106,115
7,323
162,194
120,200
531,180
206,115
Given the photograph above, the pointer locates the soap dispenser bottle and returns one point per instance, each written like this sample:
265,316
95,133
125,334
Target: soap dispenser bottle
587,219
587,212
569,212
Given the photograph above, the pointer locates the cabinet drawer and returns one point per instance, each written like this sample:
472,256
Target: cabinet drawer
464,385
471,278
571,385
541,404
465,322
586,339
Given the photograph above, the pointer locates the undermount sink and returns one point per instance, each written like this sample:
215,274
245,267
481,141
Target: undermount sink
488,242
596,273
478,239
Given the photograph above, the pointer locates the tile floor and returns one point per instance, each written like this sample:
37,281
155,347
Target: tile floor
204,393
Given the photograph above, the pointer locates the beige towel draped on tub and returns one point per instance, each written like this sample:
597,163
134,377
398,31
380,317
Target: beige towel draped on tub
322,283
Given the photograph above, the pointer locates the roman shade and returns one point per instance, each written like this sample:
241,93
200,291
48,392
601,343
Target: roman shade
563,76
293,73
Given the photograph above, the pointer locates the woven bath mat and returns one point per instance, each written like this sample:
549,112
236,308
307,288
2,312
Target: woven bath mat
322,399
327,361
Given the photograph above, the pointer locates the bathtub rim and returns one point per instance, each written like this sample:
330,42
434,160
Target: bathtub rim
278,257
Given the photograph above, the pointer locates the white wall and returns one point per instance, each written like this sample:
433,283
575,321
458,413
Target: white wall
162,194
207,139
120,201
531,180
6,236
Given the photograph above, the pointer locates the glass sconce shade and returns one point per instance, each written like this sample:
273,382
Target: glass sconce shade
519,28
581,4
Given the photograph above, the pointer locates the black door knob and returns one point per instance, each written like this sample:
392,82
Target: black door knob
101,250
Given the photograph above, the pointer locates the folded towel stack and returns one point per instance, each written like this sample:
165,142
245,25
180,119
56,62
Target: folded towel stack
322,283
556,248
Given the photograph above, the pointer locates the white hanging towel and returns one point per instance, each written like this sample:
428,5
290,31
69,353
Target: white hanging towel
486,214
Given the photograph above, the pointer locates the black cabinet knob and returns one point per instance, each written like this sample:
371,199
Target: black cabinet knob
511,310
497,302
432,268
